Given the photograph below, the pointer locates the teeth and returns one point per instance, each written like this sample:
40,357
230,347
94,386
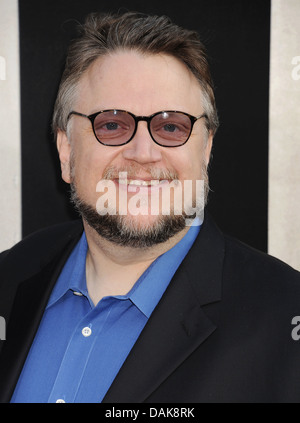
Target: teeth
136,182
155,182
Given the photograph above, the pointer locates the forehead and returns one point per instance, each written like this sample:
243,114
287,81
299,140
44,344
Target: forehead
140,83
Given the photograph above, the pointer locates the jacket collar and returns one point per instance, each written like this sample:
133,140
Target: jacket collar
179,323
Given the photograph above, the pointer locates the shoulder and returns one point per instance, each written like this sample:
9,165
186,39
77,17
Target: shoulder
246,272
256,262
240,257
38,249
255,283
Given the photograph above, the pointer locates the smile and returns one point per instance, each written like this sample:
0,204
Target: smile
140,182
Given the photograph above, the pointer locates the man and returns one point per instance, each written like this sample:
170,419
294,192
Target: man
145,300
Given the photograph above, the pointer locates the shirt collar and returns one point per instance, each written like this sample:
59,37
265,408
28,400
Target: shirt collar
152,284
72,276
148,289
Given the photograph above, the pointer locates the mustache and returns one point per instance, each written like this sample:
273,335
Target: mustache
134,171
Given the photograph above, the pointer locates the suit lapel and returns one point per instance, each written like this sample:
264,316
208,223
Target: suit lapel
30,301
175,329
178,325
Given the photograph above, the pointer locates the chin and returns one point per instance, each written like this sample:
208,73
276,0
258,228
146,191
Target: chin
141,231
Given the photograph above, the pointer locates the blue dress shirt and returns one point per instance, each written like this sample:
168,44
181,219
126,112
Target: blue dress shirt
79,347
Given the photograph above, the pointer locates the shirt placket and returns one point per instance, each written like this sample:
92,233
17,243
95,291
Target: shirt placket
77,355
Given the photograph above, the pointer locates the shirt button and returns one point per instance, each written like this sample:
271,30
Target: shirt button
79,294
86,331
60,401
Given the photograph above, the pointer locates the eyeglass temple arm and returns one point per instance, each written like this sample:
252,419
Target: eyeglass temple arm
201,116
77,114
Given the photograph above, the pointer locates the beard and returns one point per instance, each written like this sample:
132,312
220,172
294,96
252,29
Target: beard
127,230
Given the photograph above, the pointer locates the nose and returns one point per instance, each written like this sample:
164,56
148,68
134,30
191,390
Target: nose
142,149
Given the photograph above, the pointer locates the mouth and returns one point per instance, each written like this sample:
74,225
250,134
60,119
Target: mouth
140,185
140,182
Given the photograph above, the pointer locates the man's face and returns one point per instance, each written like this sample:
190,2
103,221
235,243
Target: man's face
142,85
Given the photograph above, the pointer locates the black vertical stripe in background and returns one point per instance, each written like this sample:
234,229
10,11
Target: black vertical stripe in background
237,35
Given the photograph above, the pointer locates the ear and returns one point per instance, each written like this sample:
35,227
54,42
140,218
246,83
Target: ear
208,148
64,152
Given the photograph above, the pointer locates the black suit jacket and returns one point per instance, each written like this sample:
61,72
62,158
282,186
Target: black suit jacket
221,332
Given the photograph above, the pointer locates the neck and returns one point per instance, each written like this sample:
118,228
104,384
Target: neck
113,269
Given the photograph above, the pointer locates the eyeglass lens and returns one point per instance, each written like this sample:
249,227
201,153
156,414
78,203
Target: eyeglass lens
116,127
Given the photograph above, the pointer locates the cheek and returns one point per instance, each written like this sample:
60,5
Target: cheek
88,168
188,163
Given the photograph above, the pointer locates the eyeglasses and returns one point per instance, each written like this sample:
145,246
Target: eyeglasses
118,127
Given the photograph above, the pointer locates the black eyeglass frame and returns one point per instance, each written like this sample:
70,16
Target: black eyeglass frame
137,119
